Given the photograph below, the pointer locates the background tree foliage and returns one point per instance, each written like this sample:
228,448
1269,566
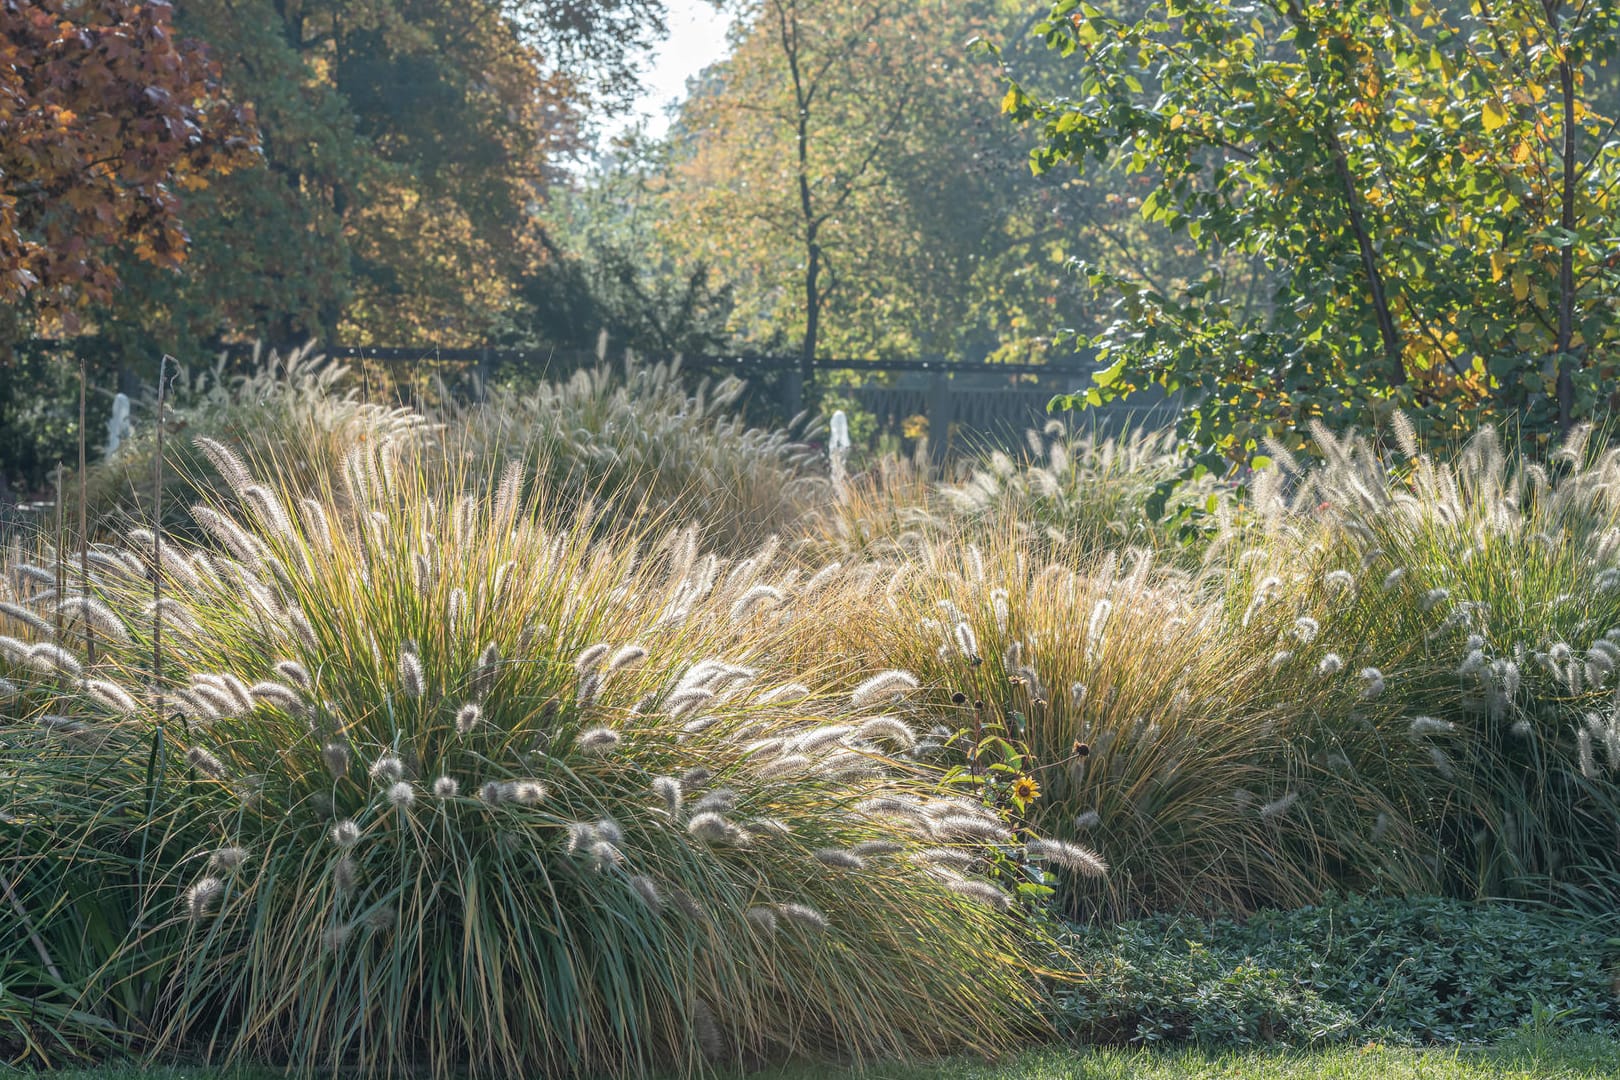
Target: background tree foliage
845,173
104,117
1423,193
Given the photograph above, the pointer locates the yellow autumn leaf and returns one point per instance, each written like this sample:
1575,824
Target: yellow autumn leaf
1521,285
1499,265
1176,121
1494,114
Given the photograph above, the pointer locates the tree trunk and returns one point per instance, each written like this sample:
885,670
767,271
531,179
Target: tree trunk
1565,386
812,313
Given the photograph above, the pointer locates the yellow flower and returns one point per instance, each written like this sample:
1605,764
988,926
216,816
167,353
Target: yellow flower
1025,789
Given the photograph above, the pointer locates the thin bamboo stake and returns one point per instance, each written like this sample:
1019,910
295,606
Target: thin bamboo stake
84,514
157,545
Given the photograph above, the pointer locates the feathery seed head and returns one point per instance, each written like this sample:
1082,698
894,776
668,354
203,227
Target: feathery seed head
1372,683
467,718
803,915
841,859
647,890
228,858
387,769
202,895
402,795
1341,580
1088,820
411,680
719,800
526,792
604,856
206,763
878,847
969,827
668,789
345,834
492,793
1330,665
110,694
1069,856
981,892
711,828
762,919
1394,578
1276,808
628,656
1435,596
336,758
598,740
1306,629
883,685
1421,726
591,657
446,787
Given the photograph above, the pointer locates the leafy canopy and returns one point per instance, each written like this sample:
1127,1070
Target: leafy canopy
1401,206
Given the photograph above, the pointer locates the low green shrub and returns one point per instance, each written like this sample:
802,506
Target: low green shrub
1426,971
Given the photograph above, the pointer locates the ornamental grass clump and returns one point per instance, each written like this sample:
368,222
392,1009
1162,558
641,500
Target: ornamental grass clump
1157,732
1477,598
434,783
639,442
296,412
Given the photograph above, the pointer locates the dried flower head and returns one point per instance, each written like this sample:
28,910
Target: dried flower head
467,718
402,795
446,787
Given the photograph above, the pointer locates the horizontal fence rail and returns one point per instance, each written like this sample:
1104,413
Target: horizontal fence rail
964,403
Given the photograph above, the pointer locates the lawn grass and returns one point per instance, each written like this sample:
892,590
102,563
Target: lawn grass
1519,1057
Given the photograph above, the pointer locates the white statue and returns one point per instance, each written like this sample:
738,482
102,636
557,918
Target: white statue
118,423
838,451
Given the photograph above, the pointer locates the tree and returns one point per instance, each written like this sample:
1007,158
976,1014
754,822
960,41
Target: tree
1426,190
845,171
104,118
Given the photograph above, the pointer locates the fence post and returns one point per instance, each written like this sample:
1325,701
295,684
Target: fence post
793,391
941,413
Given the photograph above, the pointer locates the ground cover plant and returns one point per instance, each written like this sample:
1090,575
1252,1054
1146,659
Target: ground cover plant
1393,970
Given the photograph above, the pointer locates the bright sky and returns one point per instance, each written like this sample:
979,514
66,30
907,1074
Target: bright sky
697,38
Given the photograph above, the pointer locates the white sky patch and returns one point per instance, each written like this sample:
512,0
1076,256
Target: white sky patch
697,38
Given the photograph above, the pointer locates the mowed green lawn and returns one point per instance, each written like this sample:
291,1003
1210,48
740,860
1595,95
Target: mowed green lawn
1518,1059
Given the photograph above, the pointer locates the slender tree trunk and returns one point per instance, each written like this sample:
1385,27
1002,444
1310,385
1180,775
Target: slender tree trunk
812,312
1565,386
1387,331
